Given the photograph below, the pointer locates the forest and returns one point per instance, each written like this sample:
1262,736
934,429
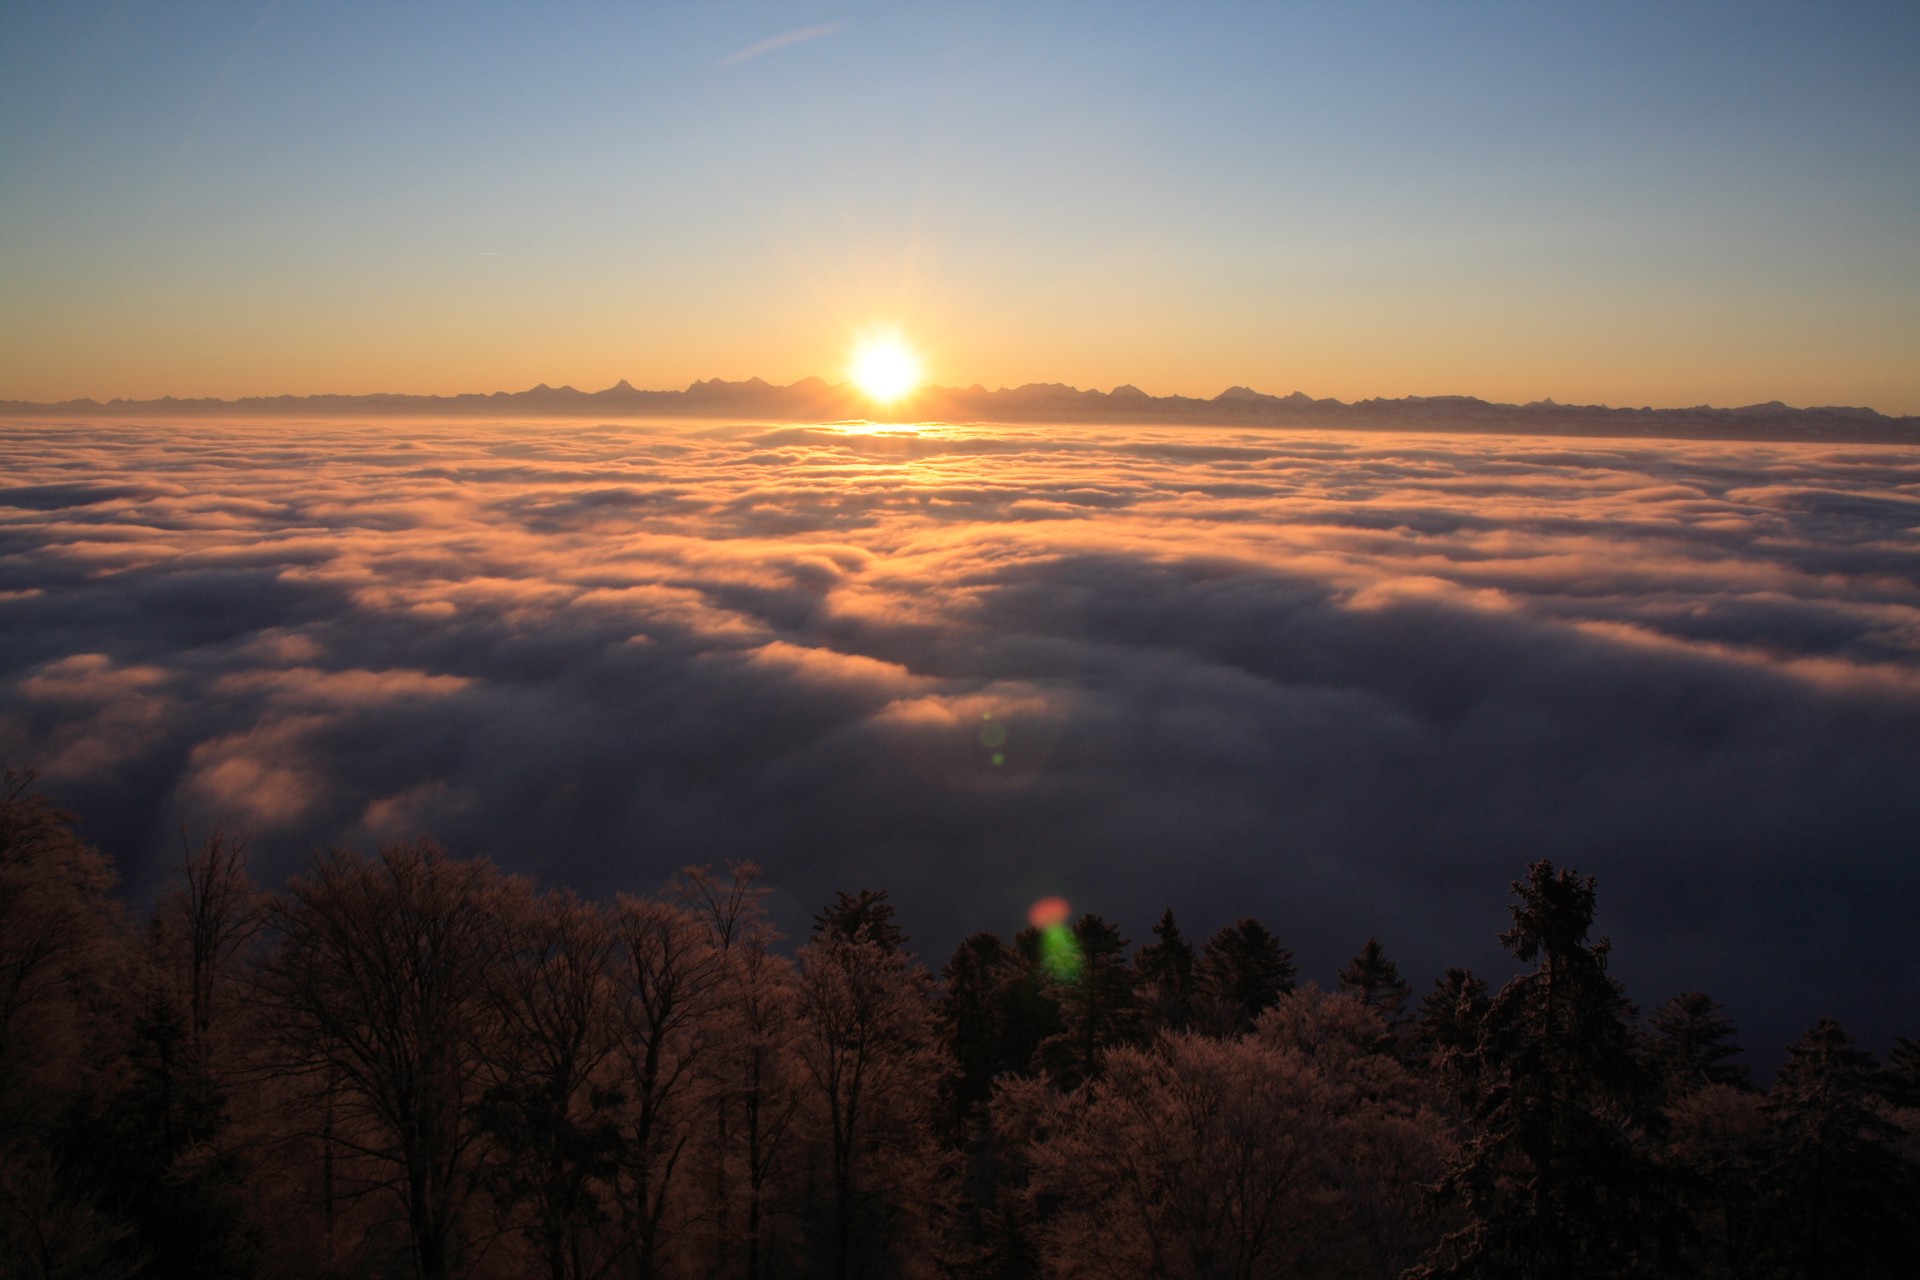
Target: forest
402,1063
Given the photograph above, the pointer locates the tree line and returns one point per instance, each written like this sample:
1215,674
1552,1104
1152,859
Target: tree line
404,1063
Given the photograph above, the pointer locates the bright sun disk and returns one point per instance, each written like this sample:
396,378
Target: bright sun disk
885,370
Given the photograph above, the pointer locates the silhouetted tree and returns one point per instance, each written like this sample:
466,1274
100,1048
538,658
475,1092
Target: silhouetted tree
734,907
1688,1041
1375,981
867,914
63,950
974,990
751,1074
1900,1078
555,1136
1552,1181
1163,973
1033,1007
670,976
212,913
57,915
52,1226
1242,971
1448,1027
1717,1145
1837,1199
650,1090
149,1153
381,978
1096,1003
866,1043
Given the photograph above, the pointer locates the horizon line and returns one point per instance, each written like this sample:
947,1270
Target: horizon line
1245,394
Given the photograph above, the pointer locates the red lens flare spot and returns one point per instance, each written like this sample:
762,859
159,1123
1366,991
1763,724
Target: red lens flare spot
1049,912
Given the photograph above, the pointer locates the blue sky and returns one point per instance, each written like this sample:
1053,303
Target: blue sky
1660,204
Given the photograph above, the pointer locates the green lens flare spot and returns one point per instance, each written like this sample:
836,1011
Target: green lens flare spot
993,736
1060,952
999,758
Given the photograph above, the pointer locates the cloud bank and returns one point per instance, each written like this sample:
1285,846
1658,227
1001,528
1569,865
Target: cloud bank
1349,683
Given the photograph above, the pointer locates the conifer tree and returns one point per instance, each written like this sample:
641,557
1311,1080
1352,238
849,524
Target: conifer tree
1032,1004
973,1013
1242,971
1375,981
1163,974
866,914
154,1157
1900,1078
1838,1200
1096,1003
1447,1030
1716,1144
1450,1014
1688,1041
1553,1183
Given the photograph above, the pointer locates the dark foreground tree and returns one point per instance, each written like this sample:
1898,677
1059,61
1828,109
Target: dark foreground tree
62,946
1900,1078
1688,1042
57,915
1554,1181
866,1045
1375,982
382,980
1717,1146
1447,1031
973,1014
553,1131
671,977
854,916
1837,1196
1242,972
1293,1151
1163,972
1096,1003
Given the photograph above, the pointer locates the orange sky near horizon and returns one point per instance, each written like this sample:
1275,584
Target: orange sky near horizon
1348,357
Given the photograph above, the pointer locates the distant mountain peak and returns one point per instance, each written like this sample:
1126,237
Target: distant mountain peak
812,400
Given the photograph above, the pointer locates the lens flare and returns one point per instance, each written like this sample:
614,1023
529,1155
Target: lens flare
1049,913
1059,949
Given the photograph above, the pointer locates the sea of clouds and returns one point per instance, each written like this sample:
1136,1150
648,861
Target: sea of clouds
1349,683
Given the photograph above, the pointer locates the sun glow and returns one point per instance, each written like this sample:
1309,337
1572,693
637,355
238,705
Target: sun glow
885,369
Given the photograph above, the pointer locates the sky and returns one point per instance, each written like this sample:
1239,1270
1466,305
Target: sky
1349,683
1628,203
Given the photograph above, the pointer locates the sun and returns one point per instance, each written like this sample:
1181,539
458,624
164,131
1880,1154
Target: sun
885,369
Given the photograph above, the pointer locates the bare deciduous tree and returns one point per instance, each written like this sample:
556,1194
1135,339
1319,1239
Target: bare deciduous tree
669,971
382,980
553,1126
867,1045
1241,1158
211,914
56,912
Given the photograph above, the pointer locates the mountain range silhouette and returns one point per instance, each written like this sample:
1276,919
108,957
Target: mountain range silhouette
814,400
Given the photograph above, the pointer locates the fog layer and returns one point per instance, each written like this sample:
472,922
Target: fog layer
1347,683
